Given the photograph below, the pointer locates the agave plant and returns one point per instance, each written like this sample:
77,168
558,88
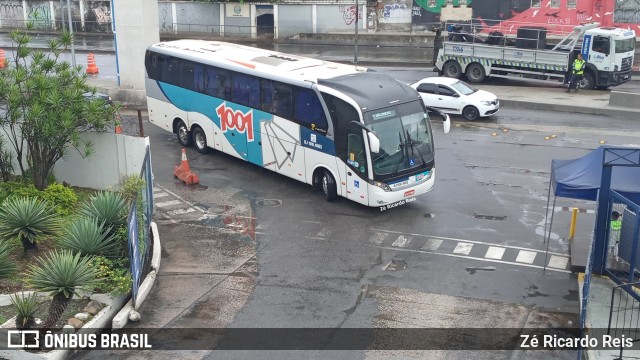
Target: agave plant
7,267
89,237
59,273
26,219
108,207
26,307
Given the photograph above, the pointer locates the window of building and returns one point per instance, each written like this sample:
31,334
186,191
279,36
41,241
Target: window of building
555,4
535,3
571,4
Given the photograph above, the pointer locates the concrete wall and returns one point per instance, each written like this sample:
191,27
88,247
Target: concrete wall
336,18
115,156
135,31
293,19
198,17
86,15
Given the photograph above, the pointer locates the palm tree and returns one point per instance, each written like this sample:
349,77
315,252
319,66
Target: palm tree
7,267
59,273
25,219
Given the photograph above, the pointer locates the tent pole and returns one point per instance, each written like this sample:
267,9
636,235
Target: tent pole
546,214
546,255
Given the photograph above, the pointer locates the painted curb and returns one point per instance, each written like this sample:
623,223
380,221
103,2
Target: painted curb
122,317
618,112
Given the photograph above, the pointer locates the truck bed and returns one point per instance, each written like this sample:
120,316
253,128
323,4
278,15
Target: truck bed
541,59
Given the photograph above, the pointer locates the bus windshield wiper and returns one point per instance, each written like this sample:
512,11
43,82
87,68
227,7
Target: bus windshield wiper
414,146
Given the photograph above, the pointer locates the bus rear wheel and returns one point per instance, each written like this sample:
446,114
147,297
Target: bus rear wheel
199,140
184,138
329,186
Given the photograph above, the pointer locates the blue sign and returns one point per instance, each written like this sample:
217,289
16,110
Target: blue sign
356,184
586,44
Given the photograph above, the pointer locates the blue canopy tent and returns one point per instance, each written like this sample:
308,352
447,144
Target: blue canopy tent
580,179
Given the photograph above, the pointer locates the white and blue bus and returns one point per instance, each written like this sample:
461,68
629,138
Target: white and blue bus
348,131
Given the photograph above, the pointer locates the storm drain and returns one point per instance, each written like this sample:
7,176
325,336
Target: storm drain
269,202
489,217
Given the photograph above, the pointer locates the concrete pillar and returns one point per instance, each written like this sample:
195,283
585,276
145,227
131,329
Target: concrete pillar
53,15
134,31
82,15
314,18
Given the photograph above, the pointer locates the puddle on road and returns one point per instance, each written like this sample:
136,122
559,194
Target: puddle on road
472,270
396,264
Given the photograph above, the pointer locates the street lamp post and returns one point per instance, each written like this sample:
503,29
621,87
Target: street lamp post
355,48
73,50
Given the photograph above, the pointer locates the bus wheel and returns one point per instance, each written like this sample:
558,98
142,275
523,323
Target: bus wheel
452,69
329,186
470,113
184,137
475,73
199,139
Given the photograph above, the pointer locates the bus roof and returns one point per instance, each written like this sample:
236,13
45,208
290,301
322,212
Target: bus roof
387,91
249,59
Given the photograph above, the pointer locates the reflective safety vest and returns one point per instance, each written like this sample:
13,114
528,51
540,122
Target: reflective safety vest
578,66
616,224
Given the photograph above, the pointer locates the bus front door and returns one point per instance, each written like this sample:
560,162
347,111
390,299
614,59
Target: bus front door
356,167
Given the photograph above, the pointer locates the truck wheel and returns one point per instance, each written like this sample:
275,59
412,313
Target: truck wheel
475,73
452,69
470,113
587,82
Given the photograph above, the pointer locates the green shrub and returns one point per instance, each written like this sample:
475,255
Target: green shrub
108,207
113,275
26,308
132,186
26,219
88,237
18,189
7,267
62,198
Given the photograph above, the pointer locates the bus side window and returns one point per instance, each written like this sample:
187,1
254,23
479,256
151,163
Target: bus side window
172,73
282,100
217,83
151,64
186,76
246,90
342,113
161,68
309,111
355,146
198,78
266,92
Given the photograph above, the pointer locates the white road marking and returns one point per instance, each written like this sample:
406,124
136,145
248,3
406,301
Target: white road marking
180,211
432,244
558,262
402,241
495,252
378,238
180,198
463,248
324,233
526,257
168,203
160,194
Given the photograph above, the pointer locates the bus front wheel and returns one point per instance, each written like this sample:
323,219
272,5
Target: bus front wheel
199,139
184,138
329,186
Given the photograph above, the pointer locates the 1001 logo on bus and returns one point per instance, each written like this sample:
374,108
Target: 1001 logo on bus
235,120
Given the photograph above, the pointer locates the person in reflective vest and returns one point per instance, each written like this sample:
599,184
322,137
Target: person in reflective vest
577,69
615,224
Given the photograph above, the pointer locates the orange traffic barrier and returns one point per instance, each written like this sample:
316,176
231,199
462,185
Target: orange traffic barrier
2,59
184,173
92,68
118,129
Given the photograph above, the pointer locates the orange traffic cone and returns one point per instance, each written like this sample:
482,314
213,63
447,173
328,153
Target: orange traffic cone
92,68
2,59
184,173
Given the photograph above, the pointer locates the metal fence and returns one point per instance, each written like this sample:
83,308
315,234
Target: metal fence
56,25
139,227
624,313
623,255
265,32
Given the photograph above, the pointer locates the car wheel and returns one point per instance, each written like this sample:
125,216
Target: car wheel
452,69
184,138
199,140
588,82
470,113
329,186
475,73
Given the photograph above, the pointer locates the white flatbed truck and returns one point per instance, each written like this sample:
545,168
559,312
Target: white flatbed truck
608,53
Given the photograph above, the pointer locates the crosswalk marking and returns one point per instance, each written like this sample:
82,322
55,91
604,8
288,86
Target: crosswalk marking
432,244
159,194
181,211
168,203
402,241
526,257
155,189
495,252
378,238
558,262
463,248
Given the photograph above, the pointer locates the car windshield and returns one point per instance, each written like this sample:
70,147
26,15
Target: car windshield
463,88
405,137
625,45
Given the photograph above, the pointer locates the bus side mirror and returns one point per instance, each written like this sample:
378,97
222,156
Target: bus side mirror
446,123
374,142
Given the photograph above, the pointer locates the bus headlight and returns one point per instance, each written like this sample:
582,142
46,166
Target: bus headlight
382,185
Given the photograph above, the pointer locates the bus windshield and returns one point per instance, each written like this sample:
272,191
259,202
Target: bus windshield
405,138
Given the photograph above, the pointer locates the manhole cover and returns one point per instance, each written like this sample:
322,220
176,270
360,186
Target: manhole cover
488,217
269,202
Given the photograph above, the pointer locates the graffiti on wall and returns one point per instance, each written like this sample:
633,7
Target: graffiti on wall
395,12
349,14
98,18
11,14
627,11
39,16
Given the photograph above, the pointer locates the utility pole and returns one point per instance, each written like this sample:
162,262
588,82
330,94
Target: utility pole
73,50
355,48
62,15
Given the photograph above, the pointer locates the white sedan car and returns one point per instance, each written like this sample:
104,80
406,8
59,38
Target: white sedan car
457,97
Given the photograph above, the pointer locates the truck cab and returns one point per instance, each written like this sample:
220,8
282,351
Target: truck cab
609,55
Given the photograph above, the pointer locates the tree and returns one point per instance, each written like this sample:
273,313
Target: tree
43,109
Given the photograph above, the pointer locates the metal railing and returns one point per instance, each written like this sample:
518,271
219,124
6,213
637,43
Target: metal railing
57,24
218,30
624,315
510,27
